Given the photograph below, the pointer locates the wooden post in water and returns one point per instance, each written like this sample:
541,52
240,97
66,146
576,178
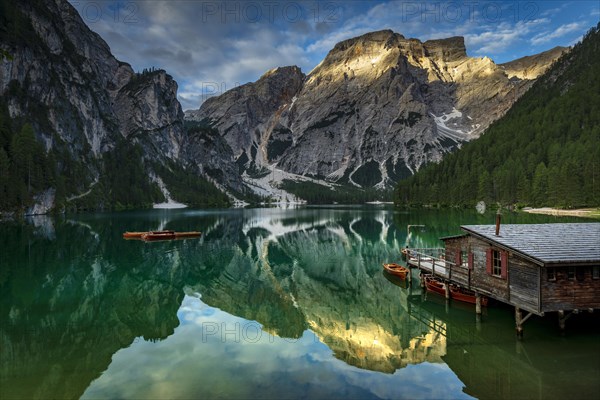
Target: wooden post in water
561,320
519,323
447,289
477,304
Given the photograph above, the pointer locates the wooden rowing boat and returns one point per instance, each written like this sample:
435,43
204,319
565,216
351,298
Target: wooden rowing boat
466,295
161,235
397,270
152,236
138,235
457,293
435,285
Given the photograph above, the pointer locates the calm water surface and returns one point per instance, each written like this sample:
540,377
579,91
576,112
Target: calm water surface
269,303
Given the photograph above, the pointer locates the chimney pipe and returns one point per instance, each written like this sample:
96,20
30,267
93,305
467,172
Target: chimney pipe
498,217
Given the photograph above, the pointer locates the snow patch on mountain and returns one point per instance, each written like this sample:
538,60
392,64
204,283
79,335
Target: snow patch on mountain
169,203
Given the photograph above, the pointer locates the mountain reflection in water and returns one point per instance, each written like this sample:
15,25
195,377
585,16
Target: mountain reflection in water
268,303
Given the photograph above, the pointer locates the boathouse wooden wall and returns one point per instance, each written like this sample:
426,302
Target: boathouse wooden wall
526,284
518,285
580,292
460,273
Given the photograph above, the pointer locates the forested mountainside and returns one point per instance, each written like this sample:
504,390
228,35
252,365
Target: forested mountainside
544,152
81,129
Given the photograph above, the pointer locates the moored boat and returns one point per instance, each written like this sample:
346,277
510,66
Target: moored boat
397,270
169,235
466,295
435,285
133,235
138,235
161,235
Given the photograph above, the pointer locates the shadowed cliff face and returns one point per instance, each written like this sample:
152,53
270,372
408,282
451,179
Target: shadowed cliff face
247,116
90,98
83,102
376,109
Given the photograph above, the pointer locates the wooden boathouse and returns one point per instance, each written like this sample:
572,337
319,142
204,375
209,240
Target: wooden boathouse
537,268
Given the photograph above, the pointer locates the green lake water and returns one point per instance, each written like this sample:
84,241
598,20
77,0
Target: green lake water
268,303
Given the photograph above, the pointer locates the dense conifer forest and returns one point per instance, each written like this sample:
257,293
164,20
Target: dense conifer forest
544,152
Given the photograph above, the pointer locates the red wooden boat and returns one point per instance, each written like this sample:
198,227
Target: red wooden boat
466,295
169,235
397,270
435,285
138,235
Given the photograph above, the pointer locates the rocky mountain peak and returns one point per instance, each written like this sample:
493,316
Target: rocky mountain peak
530,67
377,108
447,50
282,71
245,115
382,36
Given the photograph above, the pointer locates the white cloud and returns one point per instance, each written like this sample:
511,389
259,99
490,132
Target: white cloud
561,31
499,38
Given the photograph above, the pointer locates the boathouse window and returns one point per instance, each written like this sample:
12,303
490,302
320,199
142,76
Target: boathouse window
571,273
464,258
496,263
551,274
580,273
596,272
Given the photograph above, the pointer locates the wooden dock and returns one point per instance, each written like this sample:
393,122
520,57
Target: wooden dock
433,261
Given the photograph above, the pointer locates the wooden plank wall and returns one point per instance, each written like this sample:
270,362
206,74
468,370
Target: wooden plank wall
524,281
519,288
524,278
480,280
565,294
491,285
453,248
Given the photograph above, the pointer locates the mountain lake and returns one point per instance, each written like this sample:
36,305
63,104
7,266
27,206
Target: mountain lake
268,303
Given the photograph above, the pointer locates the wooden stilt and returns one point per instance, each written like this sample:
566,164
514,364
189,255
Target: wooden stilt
520,320
519,323
478,304
447,289
562,318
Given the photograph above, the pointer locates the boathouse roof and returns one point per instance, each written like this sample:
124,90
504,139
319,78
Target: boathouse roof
561,243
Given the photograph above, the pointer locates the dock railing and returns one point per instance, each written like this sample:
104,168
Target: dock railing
434,260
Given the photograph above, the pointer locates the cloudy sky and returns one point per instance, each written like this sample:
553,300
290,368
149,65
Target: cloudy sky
212,46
